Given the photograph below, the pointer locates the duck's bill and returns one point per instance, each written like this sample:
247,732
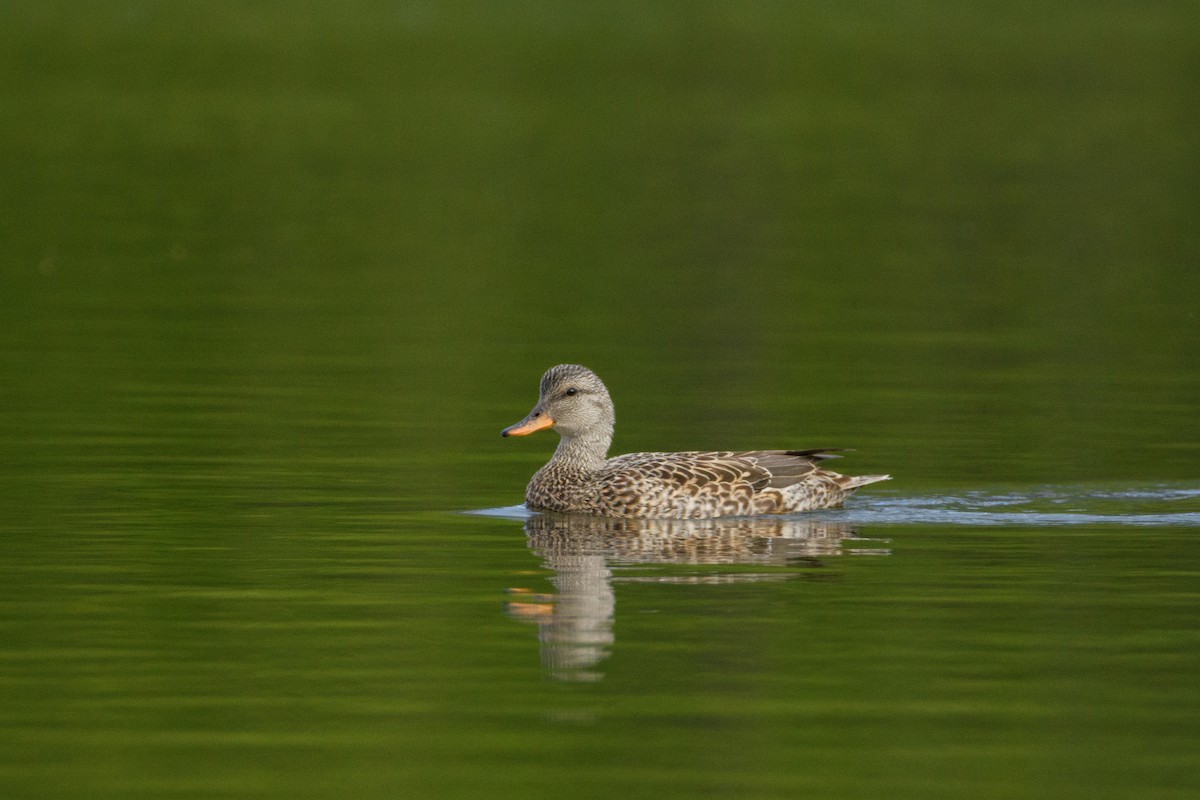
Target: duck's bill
534,422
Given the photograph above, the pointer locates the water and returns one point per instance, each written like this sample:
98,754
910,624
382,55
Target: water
273,281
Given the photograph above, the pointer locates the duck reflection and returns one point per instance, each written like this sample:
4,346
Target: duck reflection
575,622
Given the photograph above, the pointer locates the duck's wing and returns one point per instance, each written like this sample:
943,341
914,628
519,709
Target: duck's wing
788,467
760,469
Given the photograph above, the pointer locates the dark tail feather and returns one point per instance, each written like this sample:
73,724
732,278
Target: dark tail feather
820,453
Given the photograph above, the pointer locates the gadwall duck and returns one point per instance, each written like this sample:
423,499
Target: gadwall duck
692,485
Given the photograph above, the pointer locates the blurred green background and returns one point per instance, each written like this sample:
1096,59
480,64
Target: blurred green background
843,223
274,273
959,238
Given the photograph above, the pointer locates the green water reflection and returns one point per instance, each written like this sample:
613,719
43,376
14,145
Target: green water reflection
273,278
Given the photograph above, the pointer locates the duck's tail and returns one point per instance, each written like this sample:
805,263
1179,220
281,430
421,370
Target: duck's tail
852,482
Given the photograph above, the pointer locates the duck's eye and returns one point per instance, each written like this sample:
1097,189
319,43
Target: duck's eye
571,392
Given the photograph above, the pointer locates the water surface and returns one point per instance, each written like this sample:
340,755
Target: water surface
274,279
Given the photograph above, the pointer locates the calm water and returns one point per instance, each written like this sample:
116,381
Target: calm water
273,280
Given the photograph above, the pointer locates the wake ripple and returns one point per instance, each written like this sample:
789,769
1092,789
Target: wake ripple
1047,505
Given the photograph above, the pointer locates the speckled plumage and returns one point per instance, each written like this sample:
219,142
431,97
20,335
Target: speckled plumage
687,485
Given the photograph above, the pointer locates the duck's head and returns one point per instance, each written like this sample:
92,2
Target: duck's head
573,400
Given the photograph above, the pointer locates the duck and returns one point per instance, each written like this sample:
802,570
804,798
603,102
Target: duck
580,478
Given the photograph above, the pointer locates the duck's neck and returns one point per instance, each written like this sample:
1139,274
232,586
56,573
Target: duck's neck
585,453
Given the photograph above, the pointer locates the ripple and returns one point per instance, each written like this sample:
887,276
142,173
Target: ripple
934,516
